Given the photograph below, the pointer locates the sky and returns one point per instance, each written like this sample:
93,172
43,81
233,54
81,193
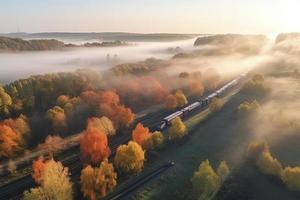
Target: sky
149,16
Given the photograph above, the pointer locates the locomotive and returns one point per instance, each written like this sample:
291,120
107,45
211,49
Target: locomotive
199,104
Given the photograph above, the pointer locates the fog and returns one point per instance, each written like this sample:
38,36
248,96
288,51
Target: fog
21,65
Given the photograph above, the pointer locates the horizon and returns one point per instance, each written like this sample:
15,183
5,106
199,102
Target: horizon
153,16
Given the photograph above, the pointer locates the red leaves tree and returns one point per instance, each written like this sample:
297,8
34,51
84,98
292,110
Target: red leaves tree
142,136
94,145
107,103
37,169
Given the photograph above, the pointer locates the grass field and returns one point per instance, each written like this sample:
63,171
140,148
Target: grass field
221,136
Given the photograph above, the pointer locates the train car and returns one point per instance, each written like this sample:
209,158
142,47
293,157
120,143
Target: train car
169,118
194,105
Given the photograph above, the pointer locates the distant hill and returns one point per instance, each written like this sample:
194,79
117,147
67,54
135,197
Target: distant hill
230,43
104,36
16,44
287,36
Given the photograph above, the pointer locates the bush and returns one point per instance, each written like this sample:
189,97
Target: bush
291,177
269,165
215,105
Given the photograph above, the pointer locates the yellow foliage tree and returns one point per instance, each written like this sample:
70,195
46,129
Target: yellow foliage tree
157,140
256,148
205,181
106,178
177,130
215,105
223,171
55,184
130,158
104,124
269,165
87,182
181,98
291,177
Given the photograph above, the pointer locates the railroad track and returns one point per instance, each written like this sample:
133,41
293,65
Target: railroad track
138,181
15,189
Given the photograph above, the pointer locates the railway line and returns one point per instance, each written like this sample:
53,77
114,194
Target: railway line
15,189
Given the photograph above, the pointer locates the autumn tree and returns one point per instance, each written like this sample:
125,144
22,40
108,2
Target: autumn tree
5,102
171,102
56,116
157,140
255,86
256,148
248,107
55,184
104,124
129,158
87,180
211,78
291,177
269,165
223,171
177,130
97,182
94,145
205,181
181,99
142,136
215,105
106,178
37,169
11,142
196,88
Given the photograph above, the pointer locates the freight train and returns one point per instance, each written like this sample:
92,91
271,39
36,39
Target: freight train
199,104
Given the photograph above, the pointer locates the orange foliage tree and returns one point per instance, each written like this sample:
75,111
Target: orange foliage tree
171,102
37,169
11,142
142,136
107,103
94,145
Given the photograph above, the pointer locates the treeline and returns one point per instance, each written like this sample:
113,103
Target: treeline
17,44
